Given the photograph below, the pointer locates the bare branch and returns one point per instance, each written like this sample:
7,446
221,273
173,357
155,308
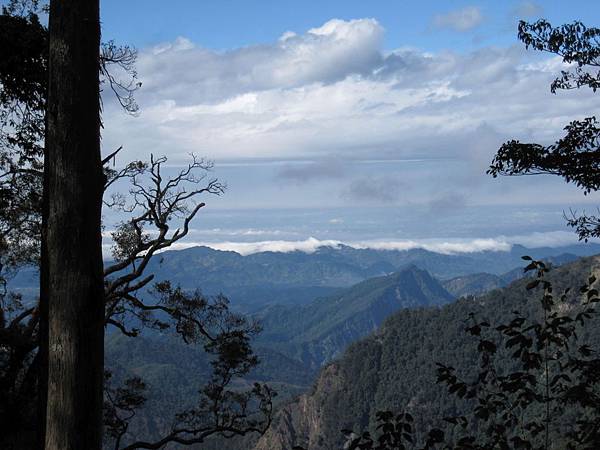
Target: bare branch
112,155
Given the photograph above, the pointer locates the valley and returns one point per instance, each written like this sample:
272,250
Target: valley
301,336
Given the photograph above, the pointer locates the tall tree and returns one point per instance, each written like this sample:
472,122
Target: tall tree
155,203
74,184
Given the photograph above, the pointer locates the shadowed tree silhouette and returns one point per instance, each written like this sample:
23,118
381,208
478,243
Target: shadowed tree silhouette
576,156
529,403
159,208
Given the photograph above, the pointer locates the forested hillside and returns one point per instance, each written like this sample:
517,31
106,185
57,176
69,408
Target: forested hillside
394,368
319,331
479,283
295,342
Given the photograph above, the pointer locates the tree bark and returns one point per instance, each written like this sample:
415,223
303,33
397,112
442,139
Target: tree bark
74,180
42,356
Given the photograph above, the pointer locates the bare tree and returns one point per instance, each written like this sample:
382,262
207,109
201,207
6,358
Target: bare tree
155,202
160,210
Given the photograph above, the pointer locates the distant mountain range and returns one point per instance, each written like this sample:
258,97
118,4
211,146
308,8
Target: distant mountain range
295,278
341,266
479,283
313,306
296,341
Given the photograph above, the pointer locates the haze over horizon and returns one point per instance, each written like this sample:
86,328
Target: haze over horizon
350,122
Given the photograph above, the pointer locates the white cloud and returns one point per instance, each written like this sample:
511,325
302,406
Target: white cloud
546,239
309,245
192,75
332,95
464,19
443,246
440,246
333,91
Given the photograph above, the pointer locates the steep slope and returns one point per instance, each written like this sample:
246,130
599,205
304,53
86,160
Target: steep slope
174,373
479,283
318,332
294,344
473,284
395,367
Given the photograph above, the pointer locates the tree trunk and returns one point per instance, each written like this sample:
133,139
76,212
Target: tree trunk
42,355
74,180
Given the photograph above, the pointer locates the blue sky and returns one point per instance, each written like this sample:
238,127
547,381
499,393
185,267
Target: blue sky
227,24
344,109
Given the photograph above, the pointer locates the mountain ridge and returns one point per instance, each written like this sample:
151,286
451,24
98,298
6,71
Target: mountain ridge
394,368
317,332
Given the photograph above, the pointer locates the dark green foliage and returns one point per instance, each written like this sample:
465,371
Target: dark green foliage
529,403
224,336
23,73
321,330
121,405
536,373
23,78
221,408
291,348
173,372
576,156
575,43
395,369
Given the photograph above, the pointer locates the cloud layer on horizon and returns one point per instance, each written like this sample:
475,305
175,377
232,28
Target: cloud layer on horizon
443,246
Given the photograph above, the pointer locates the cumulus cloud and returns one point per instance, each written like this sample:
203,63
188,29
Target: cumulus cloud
332,93
328,53
464,19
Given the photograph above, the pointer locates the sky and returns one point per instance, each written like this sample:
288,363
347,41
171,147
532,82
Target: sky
351,121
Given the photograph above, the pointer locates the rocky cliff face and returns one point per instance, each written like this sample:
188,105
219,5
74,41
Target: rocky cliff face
341,398
302,421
